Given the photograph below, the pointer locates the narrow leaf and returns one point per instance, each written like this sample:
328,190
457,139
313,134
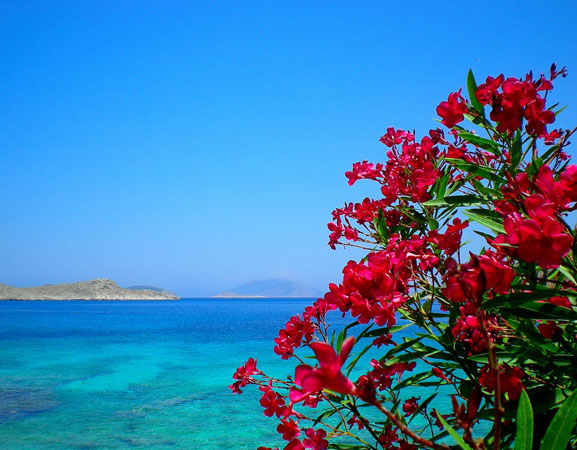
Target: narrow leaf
485,221
456,200
516,150
485,144
458,439
561,427
524,436
475,169
472,90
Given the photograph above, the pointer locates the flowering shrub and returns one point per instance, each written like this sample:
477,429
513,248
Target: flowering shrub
490,336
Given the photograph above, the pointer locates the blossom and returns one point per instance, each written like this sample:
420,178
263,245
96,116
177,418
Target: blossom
410,406
273,403
315,439
364,170
548,329
509,380
354,420
383,373
289,429
514,100
293,334
452,110
294,444
243,375
540,239
328,376
471,280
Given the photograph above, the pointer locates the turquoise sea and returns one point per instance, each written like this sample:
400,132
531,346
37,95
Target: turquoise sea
130,375
136,375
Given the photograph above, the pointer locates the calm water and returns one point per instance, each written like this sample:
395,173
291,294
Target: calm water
121,375
137,375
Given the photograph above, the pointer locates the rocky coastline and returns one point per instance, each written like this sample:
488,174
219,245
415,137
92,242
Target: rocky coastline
99,289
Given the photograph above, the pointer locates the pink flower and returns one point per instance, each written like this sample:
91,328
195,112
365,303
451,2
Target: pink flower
328,376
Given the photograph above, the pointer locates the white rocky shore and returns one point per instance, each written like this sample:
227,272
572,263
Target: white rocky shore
99,289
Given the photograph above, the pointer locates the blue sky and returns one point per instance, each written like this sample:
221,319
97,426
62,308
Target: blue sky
196,145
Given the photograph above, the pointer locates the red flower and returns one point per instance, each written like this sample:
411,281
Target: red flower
471,280
452,110
316,439
243,374
328,376
289,429
540,239
410,406
486,92
509,380
295,444
364,170
272,402
356,421
548,329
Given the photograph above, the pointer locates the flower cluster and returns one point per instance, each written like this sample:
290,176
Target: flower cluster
489,326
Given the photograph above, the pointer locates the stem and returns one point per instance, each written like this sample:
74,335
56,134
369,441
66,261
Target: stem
406,431
494,366
365,422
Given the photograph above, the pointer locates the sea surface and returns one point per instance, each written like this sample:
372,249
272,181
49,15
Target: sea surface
90,375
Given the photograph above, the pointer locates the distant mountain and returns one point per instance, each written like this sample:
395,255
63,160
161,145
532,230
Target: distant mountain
272,288
99,289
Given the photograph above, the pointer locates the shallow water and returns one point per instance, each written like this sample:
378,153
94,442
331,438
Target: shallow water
119,375
146,375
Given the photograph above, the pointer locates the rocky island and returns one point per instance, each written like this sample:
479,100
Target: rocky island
271,288
99,289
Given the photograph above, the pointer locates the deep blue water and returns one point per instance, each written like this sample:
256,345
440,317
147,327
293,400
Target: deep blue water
123,375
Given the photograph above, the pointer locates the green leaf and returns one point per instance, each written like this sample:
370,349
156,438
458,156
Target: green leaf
484,190
511,300
541,311
524,436
325,415
549,152
441,186
567,274
475,169
472,90
380,224
458,439
561,427
485,144
559,111
516,152
354,362
534,166
456,200
399,348
485,221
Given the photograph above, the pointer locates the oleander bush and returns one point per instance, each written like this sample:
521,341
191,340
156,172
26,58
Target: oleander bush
488,329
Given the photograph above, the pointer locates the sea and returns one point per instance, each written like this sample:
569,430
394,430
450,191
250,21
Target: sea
87,375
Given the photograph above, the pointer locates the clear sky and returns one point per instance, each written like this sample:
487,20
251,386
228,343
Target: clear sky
197,145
